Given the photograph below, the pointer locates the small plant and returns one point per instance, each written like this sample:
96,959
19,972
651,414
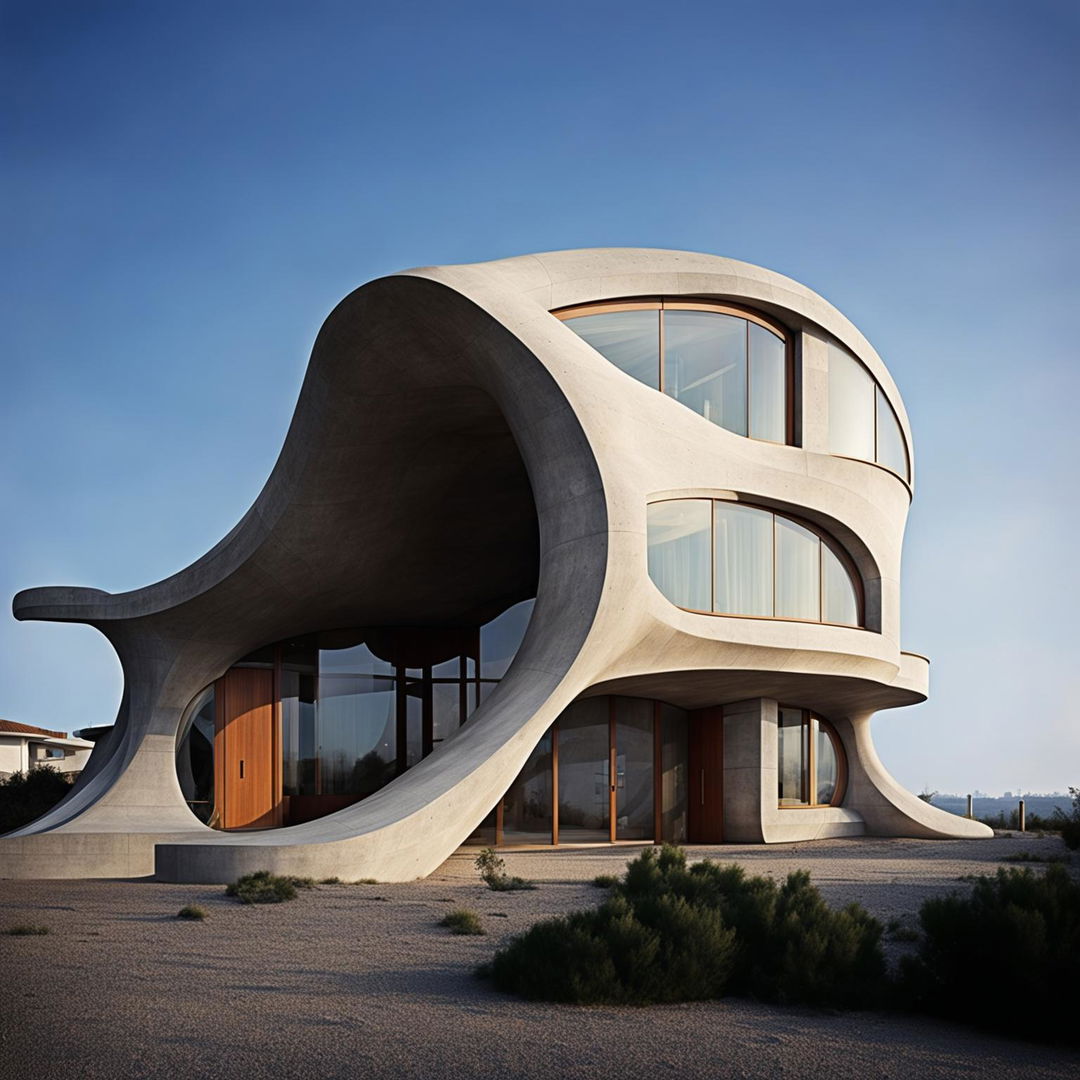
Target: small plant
262,887
191,911
26,930
330,881
365,881
897,931
605,881
301,882
462,921
493,873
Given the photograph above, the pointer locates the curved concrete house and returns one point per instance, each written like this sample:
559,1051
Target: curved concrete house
606,540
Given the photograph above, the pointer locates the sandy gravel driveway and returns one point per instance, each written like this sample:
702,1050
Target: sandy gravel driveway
359,981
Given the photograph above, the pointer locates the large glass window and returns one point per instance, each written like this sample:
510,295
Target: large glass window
358,707
862,423
762,563
728,366
810,761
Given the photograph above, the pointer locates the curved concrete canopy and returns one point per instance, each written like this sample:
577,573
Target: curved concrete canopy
454,449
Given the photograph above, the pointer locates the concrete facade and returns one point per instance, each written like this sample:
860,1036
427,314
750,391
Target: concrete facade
447,402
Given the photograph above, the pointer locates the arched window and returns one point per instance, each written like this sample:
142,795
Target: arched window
811,768
728,558
862,423
727,364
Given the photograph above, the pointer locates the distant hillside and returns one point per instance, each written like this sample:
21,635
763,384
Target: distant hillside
987,807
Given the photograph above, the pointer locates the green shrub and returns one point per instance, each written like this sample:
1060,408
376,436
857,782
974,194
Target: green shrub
1069,824
26,930
191,911
262,887
673,933
1016,934
25,796
462,921
493,873
605,881
330,881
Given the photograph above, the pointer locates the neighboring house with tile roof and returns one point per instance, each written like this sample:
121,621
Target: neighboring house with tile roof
24,747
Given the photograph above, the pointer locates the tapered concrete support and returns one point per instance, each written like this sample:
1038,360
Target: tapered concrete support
476,451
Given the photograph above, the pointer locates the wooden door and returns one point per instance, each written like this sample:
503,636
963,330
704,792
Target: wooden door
245,747
705,824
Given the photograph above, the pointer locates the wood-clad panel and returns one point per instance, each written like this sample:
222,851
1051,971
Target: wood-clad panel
245,749
705,823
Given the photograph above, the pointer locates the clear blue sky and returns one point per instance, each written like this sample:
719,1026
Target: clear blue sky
189,188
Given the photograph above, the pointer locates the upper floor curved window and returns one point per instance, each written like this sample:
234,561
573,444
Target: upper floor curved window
729,365
727,558
862,423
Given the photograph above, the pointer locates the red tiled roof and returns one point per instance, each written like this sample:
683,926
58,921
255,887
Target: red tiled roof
26,729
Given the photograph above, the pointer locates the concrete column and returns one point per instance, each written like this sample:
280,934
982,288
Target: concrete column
749,768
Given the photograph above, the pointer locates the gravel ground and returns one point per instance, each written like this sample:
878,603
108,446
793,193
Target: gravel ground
359,981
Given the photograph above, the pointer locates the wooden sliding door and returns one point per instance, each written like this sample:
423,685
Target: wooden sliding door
246,750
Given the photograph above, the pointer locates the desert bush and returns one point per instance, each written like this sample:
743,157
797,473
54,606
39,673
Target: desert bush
191,911
1017,933
605,881
25,796
1069,824
493,873
26,930
677,933
462,921
262,887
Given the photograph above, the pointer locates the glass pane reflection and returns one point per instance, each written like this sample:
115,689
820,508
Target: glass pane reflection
768,385
851,406
679,538
195,756
527,808
744,560
705,365
828,768
584,786
798,571
890,440
839,604
634,780
629,339
793,753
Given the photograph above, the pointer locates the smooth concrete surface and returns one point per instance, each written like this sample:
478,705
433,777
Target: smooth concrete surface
476,450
